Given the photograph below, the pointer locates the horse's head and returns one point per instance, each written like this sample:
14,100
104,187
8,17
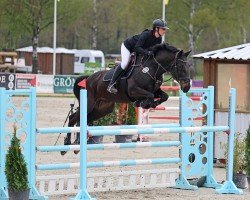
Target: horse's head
180,70
174,61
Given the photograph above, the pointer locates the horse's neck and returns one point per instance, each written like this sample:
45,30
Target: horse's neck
165,62
165,58
157,65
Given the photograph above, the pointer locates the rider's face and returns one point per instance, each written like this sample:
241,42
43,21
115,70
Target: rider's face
162,31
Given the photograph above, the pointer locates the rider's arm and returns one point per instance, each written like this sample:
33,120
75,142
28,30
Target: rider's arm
140,43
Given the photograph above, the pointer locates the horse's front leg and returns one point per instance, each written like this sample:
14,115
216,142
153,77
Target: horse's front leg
145,99
162,97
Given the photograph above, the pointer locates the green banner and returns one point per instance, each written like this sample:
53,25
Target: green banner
64,83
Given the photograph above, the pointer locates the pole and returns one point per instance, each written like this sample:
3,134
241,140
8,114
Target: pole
54,38
163,16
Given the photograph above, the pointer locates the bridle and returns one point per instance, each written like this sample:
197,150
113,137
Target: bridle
173,65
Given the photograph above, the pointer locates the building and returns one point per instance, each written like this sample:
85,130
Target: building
225,68
64,59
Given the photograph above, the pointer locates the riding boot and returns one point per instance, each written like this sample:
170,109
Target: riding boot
117,73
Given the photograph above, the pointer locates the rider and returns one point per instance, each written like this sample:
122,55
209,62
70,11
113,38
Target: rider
139,44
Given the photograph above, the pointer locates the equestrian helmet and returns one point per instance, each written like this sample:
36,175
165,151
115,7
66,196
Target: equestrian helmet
159,23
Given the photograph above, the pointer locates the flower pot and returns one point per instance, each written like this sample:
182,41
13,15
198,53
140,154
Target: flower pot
248,181
20,195
240,180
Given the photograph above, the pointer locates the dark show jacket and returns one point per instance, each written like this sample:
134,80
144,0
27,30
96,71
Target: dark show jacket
138,43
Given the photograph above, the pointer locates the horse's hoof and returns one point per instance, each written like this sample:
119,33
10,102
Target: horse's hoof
63,153
153,106
145,106
76,142
76,151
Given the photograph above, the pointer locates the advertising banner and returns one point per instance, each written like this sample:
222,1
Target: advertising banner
64,83
25,81
7,81
44,83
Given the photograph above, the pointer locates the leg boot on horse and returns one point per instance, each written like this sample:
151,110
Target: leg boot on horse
77,140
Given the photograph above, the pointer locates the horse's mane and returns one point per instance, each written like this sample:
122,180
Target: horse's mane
164,46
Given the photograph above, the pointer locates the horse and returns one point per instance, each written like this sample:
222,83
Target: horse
141,85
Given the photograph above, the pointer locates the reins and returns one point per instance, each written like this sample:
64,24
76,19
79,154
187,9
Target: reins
159,65
145,69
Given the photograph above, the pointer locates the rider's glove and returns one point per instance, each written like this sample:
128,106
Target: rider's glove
150,53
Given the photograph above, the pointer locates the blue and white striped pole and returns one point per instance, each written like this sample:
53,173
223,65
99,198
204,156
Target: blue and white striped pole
91,128
229,186
109,146
83,193
152,161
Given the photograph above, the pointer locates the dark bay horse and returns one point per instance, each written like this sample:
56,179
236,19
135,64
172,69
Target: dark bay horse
142,86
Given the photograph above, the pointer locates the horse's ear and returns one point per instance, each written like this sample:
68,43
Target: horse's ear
187,53
180,53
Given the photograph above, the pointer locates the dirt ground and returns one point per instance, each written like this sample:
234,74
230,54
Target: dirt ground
52,111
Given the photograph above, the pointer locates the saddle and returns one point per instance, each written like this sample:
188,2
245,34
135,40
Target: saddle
127,72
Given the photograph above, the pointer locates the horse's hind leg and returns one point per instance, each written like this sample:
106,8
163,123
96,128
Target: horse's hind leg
76,121
77,140
73,118
101,109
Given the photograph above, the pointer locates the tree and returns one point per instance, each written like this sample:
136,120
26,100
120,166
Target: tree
200,25
33,16
234,23
193,18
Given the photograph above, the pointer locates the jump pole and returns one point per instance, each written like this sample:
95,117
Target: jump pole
229,186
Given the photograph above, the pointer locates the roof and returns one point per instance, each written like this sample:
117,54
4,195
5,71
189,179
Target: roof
46,50
89,52
240,52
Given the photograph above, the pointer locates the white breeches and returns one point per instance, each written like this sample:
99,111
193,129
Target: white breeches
125,55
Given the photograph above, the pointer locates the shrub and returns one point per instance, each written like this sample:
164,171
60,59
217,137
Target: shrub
15,166
239,155
247,151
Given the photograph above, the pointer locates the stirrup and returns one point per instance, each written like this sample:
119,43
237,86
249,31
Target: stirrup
112,89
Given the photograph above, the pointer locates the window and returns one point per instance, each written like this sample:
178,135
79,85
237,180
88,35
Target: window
98,59
84,59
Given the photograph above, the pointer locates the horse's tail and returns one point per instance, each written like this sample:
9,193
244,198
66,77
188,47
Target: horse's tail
77,87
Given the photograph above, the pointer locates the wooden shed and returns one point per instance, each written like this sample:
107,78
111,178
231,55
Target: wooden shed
225,68
64,59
